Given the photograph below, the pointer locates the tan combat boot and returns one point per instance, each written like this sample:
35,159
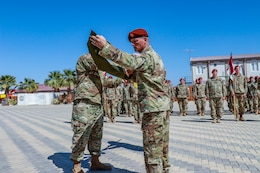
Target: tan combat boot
77,167
96,165
241,118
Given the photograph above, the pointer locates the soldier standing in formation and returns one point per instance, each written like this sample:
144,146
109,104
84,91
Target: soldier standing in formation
87,115
110,85
182,94
119,99
238,88
229,97
149,72
215,91
200,96
257,81
135,104
171,92
127,98
249,95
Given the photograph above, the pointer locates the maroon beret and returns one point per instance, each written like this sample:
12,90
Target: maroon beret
137,33
214,70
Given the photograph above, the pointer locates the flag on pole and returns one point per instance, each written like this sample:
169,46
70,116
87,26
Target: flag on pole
231,66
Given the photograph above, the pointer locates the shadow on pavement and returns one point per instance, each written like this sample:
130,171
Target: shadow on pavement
117,144
62,161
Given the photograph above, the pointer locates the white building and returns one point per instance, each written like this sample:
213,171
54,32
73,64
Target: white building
202,66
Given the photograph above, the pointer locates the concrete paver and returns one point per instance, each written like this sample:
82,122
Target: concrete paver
38,139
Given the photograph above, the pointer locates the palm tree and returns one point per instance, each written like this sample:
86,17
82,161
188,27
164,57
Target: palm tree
6,81
69,79
29,85
54,80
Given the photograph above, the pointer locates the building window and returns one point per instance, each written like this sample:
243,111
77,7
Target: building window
255,66
200,69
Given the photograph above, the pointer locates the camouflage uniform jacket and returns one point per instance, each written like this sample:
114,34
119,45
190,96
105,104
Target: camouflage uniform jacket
215,88
89,85
253,89
182,91
149,74
199,91
239,84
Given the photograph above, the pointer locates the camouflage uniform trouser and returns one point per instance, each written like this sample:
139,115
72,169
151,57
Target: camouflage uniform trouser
239,104
250,103
230,103
255,103
87,125
111,109
183,104
136,111
201,104
258,100
216,107
155,128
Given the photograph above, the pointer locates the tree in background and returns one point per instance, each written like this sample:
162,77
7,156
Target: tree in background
54,80
29,85
6,81
69,80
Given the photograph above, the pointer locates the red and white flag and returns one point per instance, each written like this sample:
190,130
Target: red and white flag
230,66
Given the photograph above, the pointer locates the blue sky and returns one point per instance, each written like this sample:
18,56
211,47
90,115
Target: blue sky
38,37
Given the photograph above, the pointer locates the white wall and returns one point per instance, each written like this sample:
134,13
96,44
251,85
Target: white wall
36,98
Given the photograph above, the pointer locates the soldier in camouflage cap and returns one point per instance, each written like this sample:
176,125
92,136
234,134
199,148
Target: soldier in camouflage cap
215,91
182,93
149,72
87,115
238,88
200,96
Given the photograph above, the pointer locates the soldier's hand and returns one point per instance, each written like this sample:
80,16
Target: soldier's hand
128,72
98,40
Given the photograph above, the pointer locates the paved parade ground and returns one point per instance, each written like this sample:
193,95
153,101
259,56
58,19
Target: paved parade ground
38,139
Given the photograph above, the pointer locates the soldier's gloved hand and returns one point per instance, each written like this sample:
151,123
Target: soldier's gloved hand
98,40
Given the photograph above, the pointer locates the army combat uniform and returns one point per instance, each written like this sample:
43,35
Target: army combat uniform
182,93
154,102
215,91
200,97
239,87
87,114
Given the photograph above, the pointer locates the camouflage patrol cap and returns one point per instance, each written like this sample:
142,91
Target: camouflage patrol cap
137,33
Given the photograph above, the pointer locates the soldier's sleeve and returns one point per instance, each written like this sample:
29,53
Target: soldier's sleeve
245,85
224,89
207,89
102,63
188,92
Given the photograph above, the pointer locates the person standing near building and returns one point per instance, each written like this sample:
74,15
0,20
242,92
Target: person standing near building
87,115
182,94
238,88
149,71
215,91
200,96
250,94
257,81
193,94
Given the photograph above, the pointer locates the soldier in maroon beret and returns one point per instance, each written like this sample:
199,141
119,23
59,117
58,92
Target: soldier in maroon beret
147,69
137,33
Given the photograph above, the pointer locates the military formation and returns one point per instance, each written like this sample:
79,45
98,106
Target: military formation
120,97
241,93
